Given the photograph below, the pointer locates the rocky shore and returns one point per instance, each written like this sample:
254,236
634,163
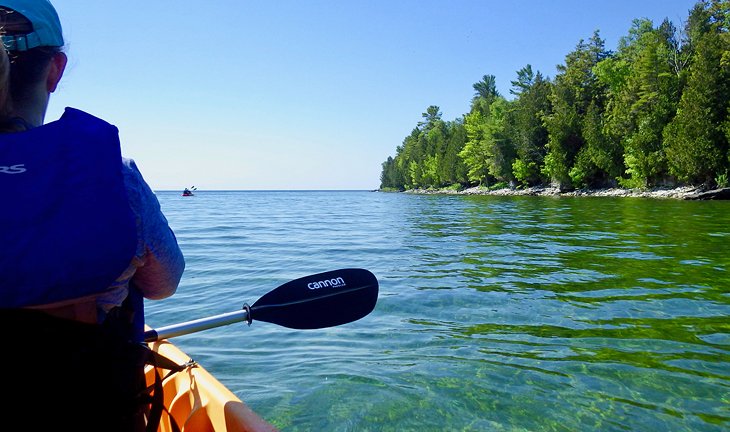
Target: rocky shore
681,193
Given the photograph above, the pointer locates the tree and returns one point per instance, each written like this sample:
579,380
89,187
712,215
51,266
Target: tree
643,90
430,117
525,80
452,169
475,154
407,157
391,177
657,111
485,92
697,141
575,89
488,152
525,124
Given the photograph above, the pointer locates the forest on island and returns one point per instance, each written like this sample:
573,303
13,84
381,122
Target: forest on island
654,112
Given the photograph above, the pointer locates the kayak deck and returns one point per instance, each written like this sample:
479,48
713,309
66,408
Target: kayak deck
198,401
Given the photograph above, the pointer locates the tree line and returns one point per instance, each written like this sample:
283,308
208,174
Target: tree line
654,112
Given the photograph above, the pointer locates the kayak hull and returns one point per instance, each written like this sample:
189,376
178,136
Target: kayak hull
198,402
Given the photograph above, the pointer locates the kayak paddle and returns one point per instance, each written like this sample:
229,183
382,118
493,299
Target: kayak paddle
317,301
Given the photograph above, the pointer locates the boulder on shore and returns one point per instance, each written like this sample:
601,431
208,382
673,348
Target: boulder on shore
715,194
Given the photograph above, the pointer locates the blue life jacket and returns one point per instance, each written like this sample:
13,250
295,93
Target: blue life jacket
67,231
66,227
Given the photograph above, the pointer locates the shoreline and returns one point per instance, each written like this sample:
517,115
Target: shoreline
680,193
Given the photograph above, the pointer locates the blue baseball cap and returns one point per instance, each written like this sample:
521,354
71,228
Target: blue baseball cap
45,21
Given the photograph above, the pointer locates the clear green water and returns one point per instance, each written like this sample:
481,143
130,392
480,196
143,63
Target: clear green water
494,314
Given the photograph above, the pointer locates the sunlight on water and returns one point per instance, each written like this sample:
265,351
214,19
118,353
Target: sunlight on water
495,313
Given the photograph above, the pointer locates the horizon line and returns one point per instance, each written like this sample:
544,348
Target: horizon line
270,190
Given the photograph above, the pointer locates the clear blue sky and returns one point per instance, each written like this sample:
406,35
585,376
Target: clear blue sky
284,94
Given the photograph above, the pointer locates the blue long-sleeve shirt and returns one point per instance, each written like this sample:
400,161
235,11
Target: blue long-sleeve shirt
158,263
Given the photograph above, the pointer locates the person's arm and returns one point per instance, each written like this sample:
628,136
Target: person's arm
160,261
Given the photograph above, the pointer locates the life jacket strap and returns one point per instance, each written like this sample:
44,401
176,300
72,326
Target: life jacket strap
153,395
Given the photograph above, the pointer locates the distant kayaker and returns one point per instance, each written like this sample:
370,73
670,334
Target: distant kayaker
82,235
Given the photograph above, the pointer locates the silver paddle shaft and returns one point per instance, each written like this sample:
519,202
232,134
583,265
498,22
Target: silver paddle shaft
197,325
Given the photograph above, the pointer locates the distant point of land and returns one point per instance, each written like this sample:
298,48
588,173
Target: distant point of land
682,193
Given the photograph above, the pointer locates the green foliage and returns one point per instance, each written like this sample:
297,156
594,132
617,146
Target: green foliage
485,92
391,177
697,145
452,169
498,186
428,157
556,167
600,159
525,80
475,154
564,139
454,187
488,151
525,127
635,179
656,111
500,148
576,88
582,170
643,81
524,171
429,170
722,180
644,157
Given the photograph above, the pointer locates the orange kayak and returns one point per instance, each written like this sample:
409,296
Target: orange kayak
198,402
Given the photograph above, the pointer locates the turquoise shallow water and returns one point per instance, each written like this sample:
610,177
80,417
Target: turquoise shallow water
494,313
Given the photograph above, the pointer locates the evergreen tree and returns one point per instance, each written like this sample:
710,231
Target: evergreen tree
391,177
452,169
406,158
525,125
697,141
574,90
643,90
485,92
656,111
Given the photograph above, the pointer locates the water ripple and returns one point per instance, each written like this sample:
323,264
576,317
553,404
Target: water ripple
495,313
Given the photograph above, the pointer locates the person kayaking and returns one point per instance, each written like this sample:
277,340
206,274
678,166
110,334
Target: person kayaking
189,191
74,266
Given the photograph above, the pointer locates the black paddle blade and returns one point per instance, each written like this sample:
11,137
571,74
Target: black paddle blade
321,300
